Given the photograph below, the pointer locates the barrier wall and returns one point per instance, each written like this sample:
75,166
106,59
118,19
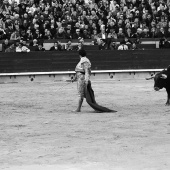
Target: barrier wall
66,61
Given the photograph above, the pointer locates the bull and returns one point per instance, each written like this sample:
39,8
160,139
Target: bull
162,80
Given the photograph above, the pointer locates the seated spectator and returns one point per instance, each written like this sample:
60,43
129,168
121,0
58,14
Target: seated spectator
22,48
68,46
102,34
77,34
68,34
2,33
9,30
123,47
120,34
128,33
113,45
134,47
153,33
60,33
37,35
145,33
5,45
112,34
56,47
168,32
137,40
47,35
29,35
164,43
11,48
86,34
80,46
103,45
162,33
95,36
126,41
15,36
40,47
33,45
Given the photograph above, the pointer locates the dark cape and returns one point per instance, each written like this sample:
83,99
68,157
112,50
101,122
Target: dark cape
90,98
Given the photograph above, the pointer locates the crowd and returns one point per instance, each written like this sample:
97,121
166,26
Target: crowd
29,20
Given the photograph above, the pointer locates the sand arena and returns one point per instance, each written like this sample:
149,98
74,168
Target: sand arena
39,131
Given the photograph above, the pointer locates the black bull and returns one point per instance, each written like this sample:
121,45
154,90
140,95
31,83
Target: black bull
162,80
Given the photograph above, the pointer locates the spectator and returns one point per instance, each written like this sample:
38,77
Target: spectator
69,46
15,36
126,41
164,43
60,33
134,47
95,36
113,45
11,48
102,34
56,47
22,48
37,35
68,34
120,34
47,35
103,45
40,47
9,31
137,40
80,46
77,34
161,33
24,43
29,35
128,33
34,43
2,33
5,45
86,34
123,47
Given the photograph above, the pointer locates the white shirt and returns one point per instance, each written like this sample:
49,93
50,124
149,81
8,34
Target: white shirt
123,47
22,49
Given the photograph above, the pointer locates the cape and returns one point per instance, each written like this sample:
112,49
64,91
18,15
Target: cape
90,98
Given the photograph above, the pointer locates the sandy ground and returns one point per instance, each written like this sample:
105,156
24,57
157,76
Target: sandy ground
39,131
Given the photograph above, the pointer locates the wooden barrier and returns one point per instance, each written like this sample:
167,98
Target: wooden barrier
66,61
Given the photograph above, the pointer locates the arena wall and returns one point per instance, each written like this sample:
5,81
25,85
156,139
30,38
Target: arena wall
66,61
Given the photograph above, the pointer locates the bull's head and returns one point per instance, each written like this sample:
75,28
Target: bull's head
160,80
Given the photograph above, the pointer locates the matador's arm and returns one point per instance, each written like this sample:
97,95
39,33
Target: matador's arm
87,71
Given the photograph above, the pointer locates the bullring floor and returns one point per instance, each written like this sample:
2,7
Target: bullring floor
39,131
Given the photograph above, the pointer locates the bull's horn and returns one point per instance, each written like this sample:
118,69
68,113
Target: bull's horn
152,76
164,76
